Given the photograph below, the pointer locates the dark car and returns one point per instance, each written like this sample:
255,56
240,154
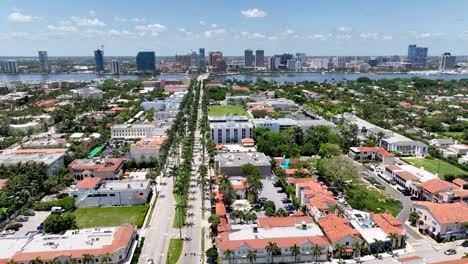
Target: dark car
286,200
465,243
12,227
40,227
18,225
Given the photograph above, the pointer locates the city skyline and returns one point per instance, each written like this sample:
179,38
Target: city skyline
177,27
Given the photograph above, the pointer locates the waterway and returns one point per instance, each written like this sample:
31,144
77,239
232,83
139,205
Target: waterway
322,77
281,78
78,77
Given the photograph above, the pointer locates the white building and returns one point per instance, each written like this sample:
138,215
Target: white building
53,160
115,67
11,66
280,124
446,220
283,231
116,241
87,93
132,131
93,192
441,142
230,132
146,148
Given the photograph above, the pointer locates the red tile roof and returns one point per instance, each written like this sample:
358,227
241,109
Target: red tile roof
460,182
122,238
393,168
322,201
270,222
436,185
388,223
446,213
220,209
3,183
283,242
407,176
337,228
248,140
88,182
382,152
408,259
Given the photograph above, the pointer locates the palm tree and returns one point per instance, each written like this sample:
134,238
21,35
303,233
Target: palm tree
54,261
316,251
378,246
87,258
228,254
358,247
271,249
339,248
336,209
106,258
295,251
393,240
37,261
12,262
252,255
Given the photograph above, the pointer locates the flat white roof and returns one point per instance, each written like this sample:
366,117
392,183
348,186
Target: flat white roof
124,184
423,175
370,234
245,232
10,245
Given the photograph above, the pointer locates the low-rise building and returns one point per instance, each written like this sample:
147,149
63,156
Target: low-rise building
106,169
94,192
146,149
339,231
230,132
132,131
429,190
406,146
284,232
230,163
53,160
441,142
371,153
446,221
459,149
88,93
115,241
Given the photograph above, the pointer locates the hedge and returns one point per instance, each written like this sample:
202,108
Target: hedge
66,203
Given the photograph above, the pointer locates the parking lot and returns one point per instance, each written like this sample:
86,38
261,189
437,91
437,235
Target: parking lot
32,223
270,192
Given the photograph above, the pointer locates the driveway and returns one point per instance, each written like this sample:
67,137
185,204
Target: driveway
32,224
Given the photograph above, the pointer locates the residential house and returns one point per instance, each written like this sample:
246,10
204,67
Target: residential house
107,169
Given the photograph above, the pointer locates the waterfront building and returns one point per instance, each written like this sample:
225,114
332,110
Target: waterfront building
447,62
43,61
259,58
146,62
11,66
417,56
248,58
213,56
115,67
99,60
201,58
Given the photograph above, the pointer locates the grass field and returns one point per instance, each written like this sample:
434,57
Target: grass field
220,110
432,165
454,135
179,214
175,250
110,216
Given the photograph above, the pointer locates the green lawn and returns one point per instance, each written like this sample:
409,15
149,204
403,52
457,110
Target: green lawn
454,135
220,110
180,215
175,250
432,165
110,216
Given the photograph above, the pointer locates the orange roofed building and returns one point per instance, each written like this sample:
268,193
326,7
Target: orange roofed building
107,169
444,220
146,148
339,231
116,241
285,232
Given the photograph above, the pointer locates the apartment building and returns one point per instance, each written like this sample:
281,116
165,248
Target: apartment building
231,163
146,148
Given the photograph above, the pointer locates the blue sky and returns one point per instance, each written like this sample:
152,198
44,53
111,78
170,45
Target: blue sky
358,27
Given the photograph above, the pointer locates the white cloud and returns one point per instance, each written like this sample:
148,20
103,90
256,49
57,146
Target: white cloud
87,22
92,13
214,33
124,19
317,37
253,13
289,32
252,35
18,17
203,23
344,29
119,33
214,25
150,29
423,35
343,37
61,28
369,35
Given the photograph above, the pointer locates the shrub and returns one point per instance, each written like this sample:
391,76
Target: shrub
66,203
